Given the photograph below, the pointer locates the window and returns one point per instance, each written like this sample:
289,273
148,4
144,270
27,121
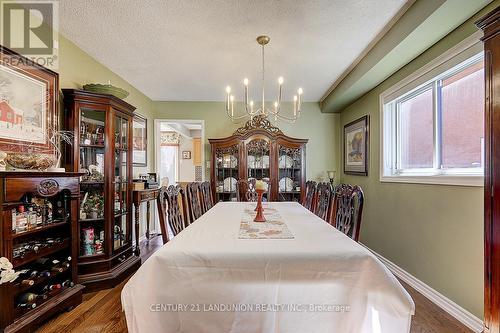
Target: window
434,133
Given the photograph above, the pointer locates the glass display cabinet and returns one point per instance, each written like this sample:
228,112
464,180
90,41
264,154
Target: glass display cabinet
259,150
290,173
102,152
226,167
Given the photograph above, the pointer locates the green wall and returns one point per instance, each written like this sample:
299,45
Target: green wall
321,129
77,68
434,232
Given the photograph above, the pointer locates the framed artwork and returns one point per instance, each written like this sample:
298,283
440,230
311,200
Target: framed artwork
28,104
356,137
186,155
140,141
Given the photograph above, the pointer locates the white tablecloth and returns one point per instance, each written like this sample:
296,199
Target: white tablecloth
208,280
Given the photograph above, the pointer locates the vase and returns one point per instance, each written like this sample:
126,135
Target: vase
259,217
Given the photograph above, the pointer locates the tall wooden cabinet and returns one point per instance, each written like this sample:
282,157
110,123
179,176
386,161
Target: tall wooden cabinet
259,150
102,149
490,24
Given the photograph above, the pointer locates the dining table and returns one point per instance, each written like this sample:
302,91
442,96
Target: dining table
292,273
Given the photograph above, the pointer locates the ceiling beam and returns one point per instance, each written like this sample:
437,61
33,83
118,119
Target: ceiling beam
420,27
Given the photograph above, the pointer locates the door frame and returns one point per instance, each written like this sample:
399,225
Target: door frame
157,123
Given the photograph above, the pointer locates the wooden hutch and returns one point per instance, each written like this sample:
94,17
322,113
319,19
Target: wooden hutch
259,150
38,222
102,149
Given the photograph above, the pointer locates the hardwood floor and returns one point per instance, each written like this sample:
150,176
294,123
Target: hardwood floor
101,311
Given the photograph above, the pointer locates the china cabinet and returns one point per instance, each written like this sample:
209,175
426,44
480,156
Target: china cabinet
102,151
261,151
38,220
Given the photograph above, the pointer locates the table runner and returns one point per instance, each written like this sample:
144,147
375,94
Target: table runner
207,280
274,227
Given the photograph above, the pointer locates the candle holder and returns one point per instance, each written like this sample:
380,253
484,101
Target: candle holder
260,211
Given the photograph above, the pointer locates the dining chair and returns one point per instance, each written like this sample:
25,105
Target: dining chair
323,200
207,201
309,196
171,204
245,190
193,195
348,209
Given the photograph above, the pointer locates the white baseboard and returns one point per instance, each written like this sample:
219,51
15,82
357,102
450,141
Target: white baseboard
455,310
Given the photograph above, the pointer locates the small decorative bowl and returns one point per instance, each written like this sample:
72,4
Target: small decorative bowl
106,89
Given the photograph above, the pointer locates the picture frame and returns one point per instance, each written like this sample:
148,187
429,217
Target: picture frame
186,155
139,141
29,103
356,146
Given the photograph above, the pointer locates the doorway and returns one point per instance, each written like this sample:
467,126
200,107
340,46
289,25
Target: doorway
179,150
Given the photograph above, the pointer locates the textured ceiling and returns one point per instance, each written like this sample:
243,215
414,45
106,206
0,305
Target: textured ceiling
189,50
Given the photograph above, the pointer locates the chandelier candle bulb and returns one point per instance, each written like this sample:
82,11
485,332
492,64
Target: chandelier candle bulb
228,92
245,82
232,105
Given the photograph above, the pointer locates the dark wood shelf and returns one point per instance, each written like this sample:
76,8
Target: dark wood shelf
91,146
91,183
100,219
38,229
53,298
44,251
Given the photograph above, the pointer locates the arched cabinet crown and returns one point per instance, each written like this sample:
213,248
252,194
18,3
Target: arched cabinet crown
262,151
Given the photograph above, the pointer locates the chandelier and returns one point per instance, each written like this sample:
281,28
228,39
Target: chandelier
275,111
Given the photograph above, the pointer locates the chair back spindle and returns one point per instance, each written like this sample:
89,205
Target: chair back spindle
207,201
193,194
309,196
323,201
348,209
171,204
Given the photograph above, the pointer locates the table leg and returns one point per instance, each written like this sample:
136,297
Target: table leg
148,215
137,250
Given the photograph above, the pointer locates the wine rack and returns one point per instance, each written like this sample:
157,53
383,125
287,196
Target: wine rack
38,215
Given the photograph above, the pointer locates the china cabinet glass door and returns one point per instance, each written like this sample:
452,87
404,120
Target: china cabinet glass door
92,161
290,173
258,160
226,173
120,228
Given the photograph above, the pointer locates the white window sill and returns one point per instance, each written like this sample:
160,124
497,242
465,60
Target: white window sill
462,180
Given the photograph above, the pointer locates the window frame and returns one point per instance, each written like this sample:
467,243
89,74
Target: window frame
390,126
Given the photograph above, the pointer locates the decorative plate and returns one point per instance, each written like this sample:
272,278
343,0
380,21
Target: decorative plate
265,162
230,161
286,184
230,184
250,161
285,161
106,89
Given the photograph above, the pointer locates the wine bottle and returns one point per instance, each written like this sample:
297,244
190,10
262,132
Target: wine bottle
27,283
51,287
44,274
27,305
67,283
30,298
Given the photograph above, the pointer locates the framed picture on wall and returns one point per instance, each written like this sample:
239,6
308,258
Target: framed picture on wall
28,104
356,137
140,141
186,155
